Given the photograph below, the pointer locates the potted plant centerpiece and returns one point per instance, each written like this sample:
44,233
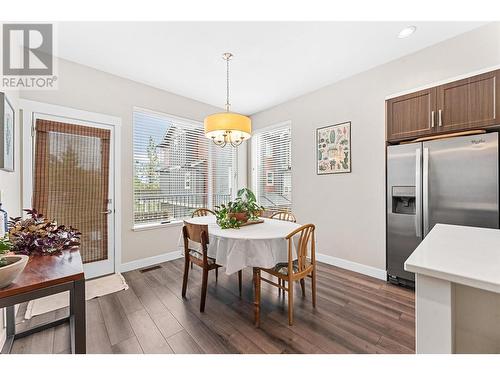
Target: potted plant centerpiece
10,265
239,211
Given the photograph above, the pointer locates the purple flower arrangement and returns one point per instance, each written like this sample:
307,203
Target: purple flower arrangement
37,235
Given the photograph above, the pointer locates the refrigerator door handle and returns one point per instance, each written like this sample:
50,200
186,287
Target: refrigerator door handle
425,192
418,192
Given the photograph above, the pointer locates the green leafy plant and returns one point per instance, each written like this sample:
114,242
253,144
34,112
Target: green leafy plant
5,247
229,215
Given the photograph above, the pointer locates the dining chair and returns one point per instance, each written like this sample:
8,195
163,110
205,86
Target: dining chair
199,212
267,213
293,270
198,233
285,216
202,212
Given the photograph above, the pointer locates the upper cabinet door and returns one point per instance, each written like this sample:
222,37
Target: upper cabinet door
411,115
469,103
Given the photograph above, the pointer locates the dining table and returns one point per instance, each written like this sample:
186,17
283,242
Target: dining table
259,245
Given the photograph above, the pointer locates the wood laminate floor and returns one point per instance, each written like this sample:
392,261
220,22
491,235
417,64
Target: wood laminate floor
355,314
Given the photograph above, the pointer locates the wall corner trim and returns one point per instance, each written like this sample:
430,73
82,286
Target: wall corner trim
146,262
352,266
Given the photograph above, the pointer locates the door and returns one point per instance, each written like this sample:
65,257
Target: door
460,181
469,103
404,206
411,116
73,183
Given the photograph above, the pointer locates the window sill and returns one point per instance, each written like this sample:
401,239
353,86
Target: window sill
143,227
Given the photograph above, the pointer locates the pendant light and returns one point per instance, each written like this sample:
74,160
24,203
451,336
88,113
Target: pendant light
228,127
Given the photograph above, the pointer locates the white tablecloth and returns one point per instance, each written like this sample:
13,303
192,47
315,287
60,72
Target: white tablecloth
258,245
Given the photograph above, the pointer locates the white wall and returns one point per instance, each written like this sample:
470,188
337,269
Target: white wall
91,90
10,183
349,209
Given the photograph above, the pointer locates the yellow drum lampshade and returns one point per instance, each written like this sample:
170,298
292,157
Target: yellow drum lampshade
228,124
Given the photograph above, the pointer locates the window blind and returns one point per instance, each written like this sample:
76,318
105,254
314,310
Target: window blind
223,161
272,167
176,168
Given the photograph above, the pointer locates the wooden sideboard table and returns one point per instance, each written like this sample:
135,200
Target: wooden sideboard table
44,276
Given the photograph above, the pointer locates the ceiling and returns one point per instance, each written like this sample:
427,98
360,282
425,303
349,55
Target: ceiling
274,61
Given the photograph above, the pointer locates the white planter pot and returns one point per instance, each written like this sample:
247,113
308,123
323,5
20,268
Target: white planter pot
15,265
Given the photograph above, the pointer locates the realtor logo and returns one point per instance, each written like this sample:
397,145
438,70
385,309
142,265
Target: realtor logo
27,56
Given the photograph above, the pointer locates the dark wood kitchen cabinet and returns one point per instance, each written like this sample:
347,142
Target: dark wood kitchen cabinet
467,104
410,116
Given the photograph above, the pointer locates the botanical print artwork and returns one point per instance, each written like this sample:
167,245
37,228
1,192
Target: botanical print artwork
333,147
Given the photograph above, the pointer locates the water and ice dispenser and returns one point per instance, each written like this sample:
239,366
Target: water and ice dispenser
403,200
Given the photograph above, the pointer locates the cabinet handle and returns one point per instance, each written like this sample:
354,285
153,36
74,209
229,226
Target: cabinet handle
432,119
440,118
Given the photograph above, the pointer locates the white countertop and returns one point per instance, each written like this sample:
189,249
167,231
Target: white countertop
463,255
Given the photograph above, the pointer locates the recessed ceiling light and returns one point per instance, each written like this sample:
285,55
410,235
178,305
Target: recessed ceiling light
406,32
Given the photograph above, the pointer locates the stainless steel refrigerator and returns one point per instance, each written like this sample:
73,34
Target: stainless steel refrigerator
449,181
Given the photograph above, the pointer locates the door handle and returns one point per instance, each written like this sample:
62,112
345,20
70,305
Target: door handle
440,117
418,193
107,212
425,190
432,119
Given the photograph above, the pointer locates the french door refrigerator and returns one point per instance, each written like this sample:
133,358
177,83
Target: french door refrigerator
448,181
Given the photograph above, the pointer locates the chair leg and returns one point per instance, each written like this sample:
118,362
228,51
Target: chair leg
256,283
185,278
191,265
290,302
279,289
204,283
303,287
217,274
313,279
240,280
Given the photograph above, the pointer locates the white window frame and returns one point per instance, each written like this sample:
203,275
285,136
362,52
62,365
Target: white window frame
254,157
210,189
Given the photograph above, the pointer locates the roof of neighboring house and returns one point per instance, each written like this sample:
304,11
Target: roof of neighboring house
187,167
168,137
274,199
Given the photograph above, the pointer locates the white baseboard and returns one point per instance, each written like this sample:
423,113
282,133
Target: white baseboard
334,261
146,262
352,266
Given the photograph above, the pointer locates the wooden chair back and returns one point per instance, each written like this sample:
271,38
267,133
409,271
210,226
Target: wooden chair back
196,233
285,216
266,213
202,212
305,247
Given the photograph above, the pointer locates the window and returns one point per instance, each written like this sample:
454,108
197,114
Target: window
177,169
269,178
272,166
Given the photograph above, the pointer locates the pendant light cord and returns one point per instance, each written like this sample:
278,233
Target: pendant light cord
227,85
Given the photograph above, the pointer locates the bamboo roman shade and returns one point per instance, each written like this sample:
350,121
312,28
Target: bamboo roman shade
71,181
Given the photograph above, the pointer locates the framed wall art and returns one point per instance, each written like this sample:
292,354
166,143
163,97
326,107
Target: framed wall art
6,134
333,149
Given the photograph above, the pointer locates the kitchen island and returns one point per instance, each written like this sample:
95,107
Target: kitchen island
457,281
